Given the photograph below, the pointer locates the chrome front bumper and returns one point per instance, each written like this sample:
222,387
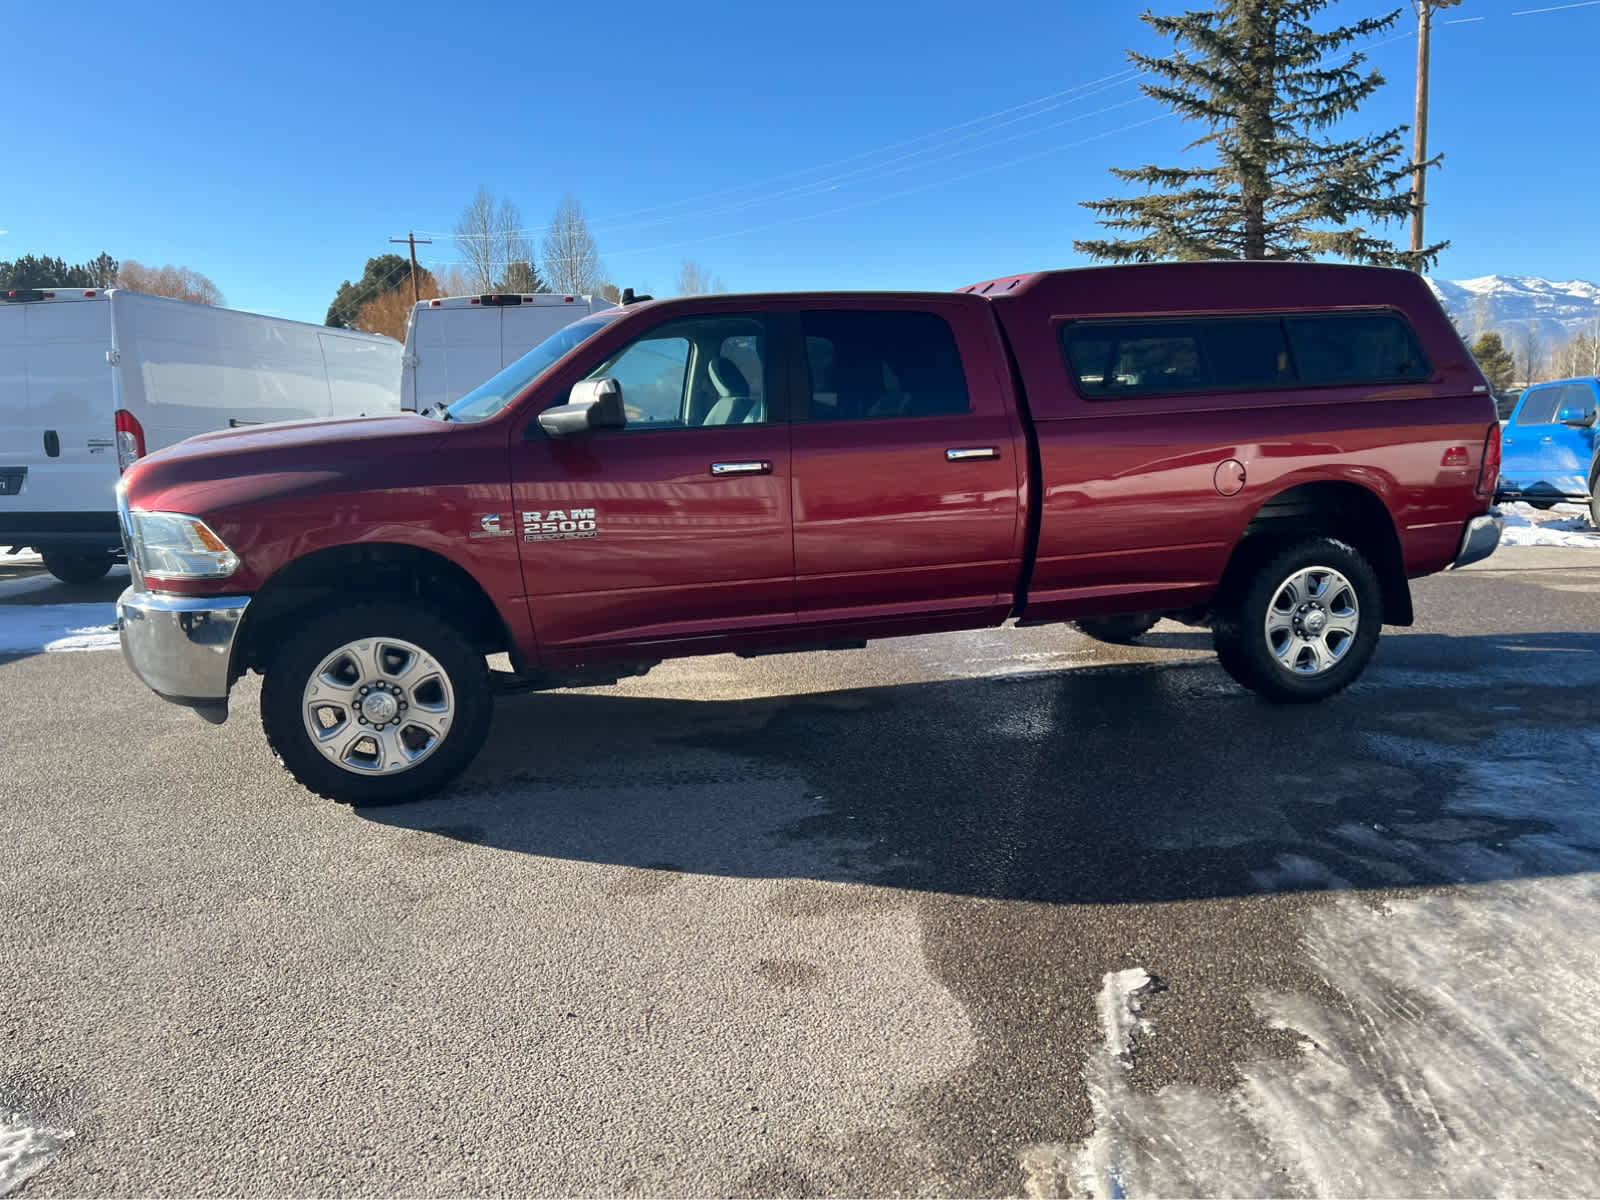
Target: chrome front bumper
1480,539
182,646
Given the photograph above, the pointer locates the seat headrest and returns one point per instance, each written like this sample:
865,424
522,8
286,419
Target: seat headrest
727,378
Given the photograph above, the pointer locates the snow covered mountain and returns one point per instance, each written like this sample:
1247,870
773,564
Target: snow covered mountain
1511,303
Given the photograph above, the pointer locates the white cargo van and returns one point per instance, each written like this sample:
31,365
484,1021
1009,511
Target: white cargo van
91,380
456,342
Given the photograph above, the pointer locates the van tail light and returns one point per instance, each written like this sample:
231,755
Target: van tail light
1489,473
130,439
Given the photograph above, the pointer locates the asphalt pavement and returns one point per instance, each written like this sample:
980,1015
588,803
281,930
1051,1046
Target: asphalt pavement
859,922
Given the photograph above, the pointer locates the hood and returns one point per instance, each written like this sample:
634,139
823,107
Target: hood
236,466
306,437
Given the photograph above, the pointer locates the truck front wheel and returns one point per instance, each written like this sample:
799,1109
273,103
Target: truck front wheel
1304,624
378,704
76,566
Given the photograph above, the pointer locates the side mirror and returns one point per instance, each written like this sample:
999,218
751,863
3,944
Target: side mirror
592,404
1577,418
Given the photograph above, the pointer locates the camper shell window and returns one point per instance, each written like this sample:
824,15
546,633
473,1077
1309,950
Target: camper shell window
1112,360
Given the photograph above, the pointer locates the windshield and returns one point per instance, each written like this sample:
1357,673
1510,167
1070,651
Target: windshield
491,397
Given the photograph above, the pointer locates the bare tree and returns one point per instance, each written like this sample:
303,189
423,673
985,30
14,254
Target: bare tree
1482,318
176,283
388,312
695,280
1579,356
493,246
1532,354
571,260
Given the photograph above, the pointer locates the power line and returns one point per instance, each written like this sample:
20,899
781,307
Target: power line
875,171
988,170
1091,88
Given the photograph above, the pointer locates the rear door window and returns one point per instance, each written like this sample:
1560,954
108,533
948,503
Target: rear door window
873,365
1539,406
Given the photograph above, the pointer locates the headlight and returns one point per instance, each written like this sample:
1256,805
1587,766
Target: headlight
174,546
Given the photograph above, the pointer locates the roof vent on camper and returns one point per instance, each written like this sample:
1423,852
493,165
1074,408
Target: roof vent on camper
22,295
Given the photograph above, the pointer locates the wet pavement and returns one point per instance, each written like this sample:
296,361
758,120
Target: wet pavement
991,913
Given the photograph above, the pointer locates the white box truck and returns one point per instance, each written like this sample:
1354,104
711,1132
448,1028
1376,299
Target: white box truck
91,380
454,343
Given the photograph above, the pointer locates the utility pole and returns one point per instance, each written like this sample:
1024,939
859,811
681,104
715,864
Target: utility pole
1420,128
412,239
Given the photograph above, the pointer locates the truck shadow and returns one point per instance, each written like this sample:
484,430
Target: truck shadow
1454,760
32,585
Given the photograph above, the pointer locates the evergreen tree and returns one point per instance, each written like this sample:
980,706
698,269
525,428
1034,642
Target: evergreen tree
1270,89
43,271
523,275
386,273
1495,361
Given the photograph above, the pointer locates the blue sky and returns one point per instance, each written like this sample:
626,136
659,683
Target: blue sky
840,143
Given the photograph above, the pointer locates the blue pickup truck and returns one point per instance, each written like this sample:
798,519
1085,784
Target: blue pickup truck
1549,446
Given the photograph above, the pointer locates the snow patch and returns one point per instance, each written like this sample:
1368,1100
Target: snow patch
1099,1170
1563,525
1461,1063
1460,1059
25,1150
31,628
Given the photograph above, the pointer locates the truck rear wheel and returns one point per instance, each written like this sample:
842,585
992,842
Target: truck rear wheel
76,566
1119,630
378,704
1304,625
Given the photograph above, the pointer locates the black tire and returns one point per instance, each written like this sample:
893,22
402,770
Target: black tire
1594,500
1120,630
76,566
464,688
1246,649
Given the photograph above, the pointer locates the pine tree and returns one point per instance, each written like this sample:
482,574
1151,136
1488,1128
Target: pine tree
1495,361
1269,88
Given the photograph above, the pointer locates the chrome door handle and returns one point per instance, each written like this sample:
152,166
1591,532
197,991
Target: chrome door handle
971,453
741,468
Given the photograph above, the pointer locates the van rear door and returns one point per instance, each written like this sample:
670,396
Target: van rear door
456,349
524,325
58,452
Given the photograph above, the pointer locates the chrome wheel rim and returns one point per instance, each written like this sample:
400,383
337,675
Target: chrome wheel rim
378,706
1312,621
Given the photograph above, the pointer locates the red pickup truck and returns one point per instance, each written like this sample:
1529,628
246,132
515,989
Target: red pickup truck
1269,449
